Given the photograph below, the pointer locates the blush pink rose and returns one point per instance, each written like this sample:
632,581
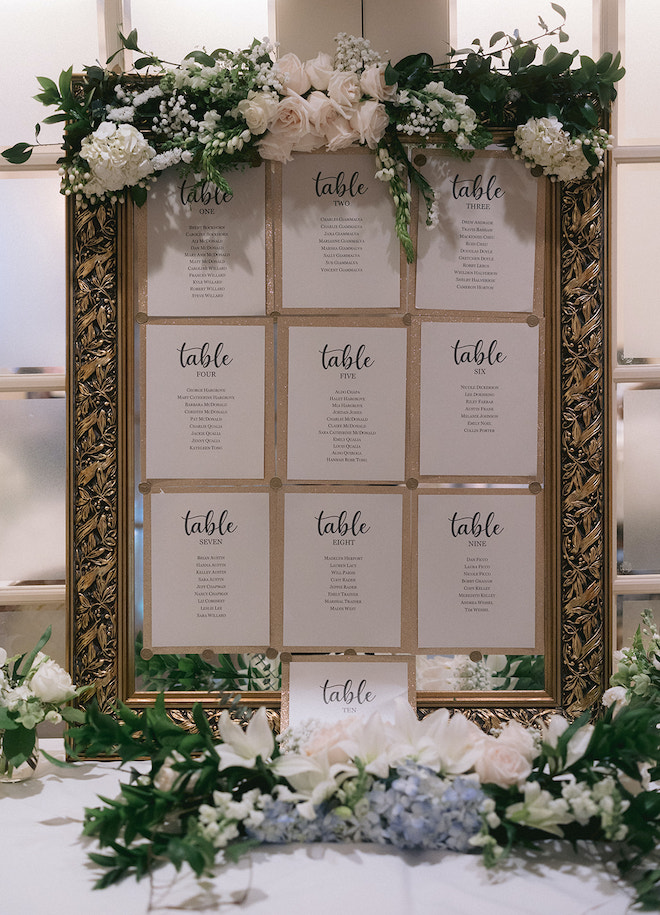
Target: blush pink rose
344,90
290,131
501,765
339,133
319,70
293,74
372,82
370,121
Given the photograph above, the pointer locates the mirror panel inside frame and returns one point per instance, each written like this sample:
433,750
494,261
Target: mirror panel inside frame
288,437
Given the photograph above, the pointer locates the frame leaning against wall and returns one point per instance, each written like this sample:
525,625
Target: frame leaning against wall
100,471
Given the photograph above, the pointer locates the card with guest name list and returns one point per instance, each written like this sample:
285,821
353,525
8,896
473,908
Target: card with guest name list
338,247
478,586
486,252
204,400
346,408
206,247
207,558
479,399
333,690
343,569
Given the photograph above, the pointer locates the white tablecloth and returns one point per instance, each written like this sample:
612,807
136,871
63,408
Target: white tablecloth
44,868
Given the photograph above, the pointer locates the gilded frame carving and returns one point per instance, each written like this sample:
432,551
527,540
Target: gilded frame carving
100,475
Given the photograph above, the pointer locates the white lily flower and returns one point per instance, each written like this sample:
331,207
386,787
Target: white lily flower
457,738
577,745
370,743
243,747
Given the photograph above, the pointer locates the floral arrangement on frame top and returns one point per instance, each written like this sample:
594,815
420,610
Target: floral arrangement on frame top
218,111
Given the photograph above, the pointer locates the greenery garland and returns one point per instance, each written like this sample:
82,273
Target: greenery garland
215,112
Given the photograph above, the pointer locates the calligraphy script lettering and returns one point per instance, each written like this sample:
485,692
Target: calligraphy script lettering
204,193
344,693
340,525
473,187
206,524
474,352
343,359
471,525
202,355
335,185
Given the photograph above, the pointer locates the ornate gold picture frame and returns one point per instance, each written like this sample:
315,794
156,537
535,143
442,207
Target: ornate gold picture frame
101,476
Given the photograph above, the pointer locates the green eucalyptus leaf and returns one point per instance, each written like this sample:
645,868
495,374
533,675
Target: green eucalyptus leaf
17,155
495,37
604,62
139,195
202,58
563,36
560,62
525,54
143,62
559,10
550,52
94,73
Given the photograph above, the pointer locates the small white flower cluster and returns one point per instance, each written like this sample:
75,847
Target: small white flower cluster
353,53
543,143
459,672
602,800
435,109
133,99
219,822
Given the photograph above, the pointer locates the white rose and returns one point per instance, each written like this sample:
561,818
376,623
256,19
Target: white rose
514,735
370,121
372,82
51,683
3,657
294,76
320,111
258,109
344,90
501,764
339,133
319,70
290,130
615,695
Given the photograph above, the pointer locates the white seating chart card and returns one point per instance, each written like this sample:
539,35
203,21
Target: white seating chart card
346,402
208,559
483,255
477,571
343,569
479,399
204,401
206,248
338,247
332,689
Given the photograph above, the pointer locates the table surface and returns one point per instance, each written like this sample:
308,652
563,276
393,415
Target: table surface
45,868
